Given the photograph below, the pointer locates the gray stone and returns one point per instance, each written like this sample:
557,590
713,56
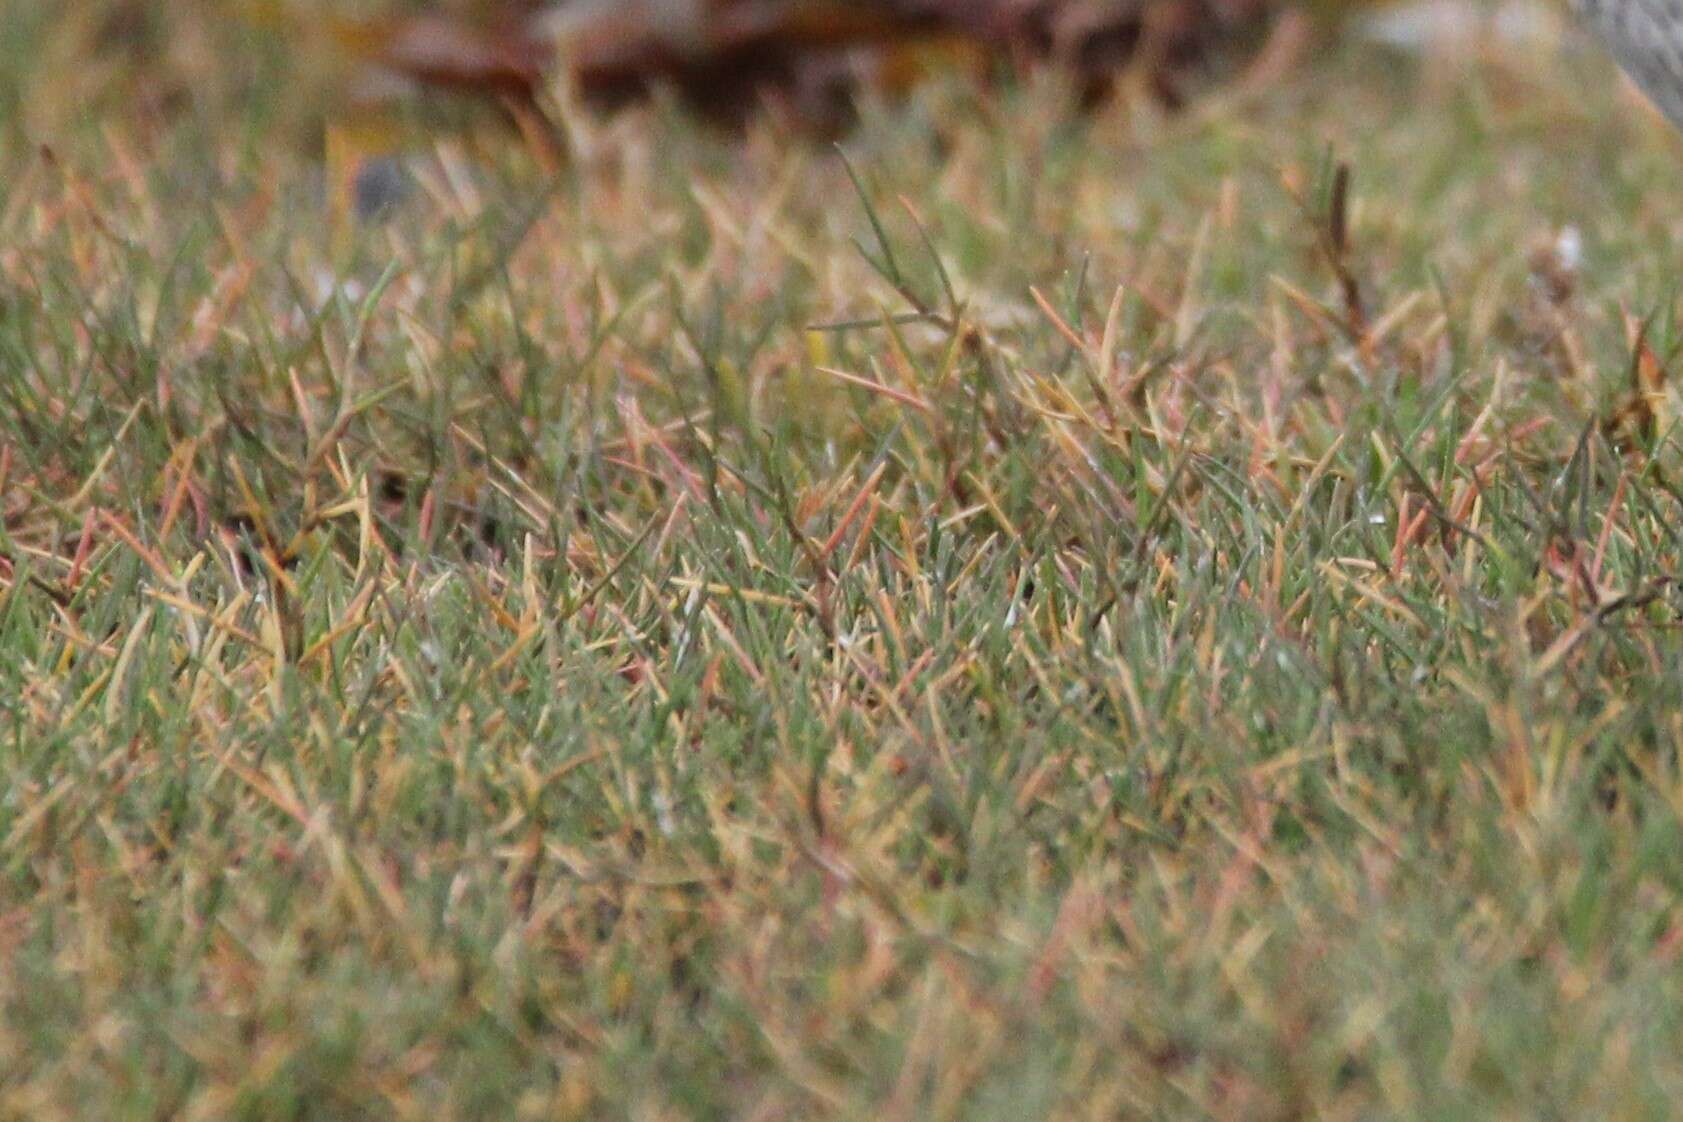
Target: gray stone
1646,36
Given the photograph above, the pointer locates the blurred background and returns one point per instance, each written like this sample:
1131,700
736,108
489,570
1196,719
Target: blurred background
336,109
362,75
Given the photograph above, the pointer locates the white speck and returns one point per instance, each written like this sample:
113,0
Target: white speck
326,284
1569,248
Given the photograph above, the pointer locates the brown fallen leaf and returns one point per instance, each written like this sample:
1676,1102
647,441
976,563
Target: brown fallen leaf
725,56
1638,416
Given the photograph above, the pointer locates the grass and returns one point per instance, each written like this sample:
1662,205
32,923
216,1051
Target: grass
991,629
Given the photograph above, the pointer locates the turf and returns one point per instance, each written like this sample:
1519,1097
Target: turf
1129,617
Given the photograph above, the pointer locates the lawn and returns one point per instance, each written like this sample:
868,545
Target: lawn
1025,615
